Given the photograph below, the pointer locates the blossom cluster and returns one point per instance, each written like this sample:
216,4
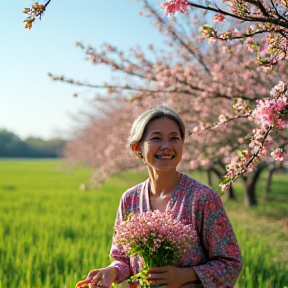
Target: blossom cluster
270,114
237,166
271,49
219,18
155,236
173,6
35,11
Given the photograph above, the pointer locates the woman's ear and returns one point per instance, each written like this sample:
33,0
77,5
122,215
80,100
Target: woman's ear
136,149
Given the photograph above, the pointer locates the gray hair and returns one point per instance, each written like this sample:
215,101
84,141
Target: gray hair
140,124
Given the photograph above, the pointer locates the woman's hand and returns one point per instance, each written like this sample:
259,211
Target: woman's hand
172,277
103,277
83,284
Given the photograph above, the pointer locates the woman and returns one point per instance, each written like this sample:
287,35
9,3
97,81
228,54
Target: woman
157,136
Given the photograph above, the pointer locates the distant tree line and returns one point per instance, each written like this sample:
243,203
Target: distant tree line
12,146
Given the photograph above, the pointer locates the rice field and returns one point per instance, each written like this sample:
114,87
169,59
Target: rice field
52,233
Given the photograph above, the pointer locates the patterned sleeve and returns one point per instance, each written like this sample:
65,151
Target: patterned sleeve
224,259
121,260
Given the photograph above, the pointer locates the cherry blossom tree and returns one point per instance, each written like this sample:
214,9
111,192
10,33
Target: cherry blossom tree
267,19
100,139
214,88
234,123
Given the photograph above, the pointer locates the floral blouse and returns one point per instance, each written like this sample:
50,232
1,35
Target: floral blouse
216,256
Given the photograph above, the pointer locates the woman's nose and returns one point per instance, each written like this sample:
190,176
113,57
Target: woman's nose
165,144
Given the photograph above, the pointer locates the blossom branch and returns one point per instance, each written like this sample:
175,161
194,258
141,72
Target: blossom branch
244,35
176,36
260,6
217,124
255,155
37,10
279,22
244,163
128,87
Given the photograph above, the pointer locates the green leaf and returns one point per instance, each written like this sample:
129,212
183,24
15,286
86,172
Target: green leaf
225,179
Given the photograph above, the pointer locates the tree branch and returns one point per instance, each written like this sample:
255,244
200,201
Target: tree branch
277,22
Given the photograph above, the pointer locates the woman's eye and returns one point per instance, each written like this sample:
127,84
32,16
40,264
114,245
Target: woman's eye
155,138
175,138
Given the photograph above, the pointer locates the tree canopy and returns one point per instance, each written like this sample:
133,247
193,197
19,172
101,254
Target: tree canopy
227,82
12,145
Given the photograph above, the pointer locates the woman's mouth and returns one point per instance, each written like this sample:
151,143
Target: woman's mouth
165,157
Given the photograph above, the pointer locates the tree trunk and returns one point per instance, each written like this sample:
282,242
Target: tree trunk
249,193
269,180
250,187
230,193
209,177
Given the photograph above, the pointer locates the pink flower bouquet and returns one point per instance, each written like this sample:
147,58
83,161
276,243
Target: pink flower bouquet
155,236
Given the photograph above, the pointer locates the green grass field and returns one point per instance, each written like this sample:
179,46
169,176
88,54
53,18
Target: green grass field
52,233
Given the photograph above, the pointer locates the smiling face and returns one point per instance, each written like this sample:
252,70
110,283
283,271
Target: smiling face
162,145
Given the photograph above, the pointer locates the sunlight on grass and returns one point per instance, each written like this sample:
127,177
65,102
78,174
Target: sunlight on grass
52,233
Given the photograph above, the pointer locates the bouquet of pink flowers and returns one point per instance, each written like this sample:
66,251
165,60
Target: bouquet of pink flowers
155,236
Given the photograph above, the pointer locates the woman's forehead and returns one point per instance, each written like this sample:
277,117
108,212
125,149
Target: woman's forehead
161,125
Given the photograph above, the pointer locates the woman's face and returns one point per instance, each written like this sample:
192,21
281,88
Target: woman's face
162,144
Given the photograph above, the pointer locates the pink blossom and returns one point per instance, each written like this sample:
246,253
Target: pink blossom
278,89
236,32
198,129
219,18
238,166
150,231
173,6
193,164
234,9
278,155
268,113
258,134
222,118
250,45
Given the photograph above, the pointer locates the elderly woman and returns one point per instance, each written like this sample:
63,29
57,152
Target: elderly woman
157,136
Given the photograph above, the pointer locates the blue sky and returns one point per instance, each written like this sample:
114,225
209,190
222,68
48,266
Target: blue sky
30,103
